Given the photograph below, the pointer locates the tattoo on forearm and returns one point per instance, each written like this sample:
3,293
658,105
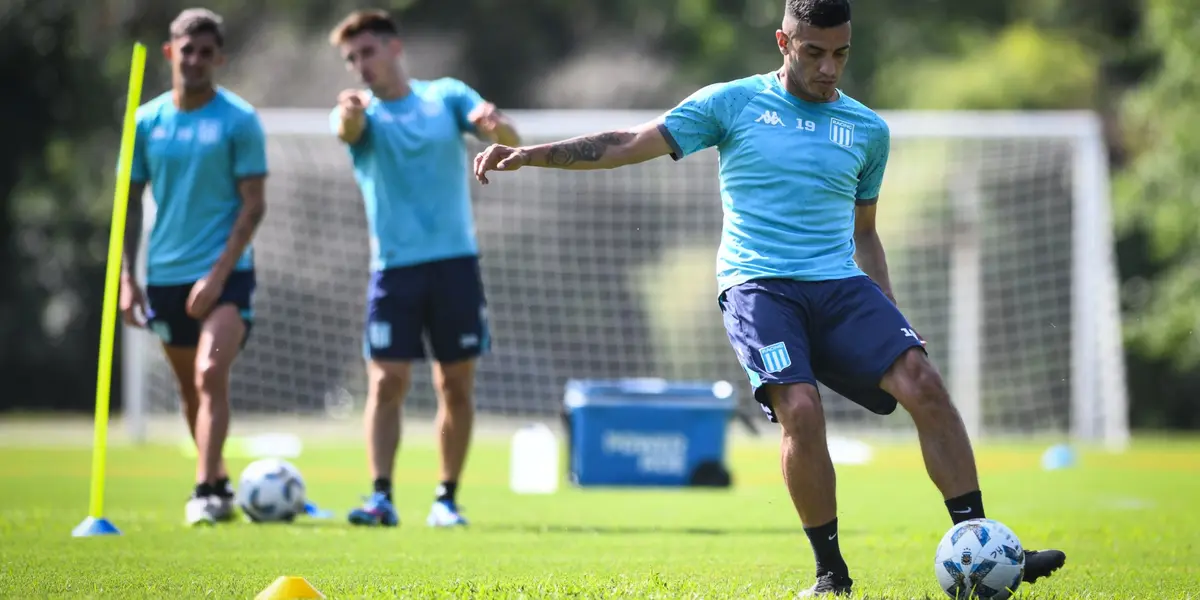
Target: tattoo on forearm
586,149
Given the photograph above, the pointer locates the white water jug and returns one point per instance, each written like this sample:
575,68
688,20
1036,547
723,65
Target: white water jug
534,464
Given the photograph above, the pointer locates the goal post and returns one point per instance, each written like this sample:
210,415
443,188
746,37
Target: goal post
997,227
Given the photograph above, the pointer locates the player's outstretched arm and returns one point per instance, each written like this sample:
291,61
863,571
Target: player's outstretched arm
493,126
606,150
352,116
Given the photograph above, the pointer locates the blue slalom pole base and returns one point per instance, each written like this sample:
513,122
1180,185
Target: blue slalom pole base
316,512
93,526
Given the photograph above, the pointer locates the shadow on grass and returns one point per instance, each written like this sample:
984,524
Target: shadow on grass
633,529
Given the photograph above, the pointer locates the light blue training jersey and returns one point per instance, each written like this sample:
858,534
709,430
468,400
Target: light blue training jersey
791,174
411,165
193,161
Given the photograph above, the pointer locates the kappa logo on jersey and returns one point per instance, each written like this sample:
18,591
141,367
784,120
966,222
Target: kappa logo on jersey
775,357
841,132
770,117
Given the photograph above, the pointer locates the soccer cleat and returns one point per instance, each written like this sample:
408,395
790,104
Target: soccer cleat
221,507
828,584
377,510
444,513
223,503
200,510
1041,563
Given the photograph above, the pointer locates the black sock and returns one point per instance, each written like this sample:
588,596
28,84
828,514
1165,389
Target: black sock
384,485
824,540
202,490
966,507
221,487
445,491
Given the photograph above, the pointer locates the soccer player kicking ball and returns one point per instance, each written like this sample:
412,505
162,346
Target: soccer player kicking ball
405,138
202,151
801,166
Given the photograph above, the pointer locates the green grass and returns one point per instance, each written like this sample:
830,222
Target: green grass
1128,522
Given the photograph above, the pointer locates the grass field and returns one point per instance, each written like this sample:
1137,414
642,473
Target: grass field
1128,522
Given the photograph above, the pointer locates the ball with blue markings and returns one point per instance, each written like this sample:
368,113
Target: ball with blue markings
979,559
271,490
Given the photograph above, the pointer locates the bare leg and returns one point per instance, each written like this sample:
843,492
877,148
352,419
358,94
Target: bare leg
183,365
388,383
945,446
949,459
807,467
455,385
220,343
810,478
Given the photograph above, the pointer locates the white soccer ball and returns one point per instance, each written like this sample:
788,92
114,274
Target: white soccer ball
979,559
271,489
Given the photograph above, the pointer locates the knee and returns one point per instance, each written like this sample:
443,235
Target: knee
212,377
390,382
455,390
798,409
916,384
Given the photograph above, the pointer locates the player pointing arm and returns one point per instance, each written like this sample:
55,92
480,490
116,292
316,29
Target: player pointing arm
405,139
802,277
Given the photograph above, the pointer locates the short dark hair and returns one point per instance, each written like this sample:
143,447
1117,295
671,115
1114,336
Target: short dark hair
358,22
819,13
195,21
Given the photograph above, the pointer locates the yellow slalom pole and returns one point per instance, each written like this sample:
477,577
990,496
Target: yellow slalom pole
96,524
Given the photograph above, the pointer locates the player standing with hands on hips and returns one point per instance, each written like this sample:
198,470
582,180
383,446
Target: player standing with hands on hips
202,150
405,139
803,281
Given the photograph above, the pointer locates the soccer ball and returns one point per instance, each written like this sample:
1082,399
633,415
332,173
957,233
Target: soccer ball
271,489
979,559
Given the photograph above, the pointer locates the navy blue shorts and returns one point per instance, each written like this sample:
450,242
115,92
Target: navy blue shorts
440,301
844,333
166,311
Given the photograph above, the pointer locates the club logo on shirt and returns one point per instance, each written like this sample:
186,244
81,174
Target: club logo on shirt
841,132
208,132
775,357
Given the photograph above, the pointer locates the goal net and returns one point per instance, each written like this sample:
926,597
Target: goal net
996,226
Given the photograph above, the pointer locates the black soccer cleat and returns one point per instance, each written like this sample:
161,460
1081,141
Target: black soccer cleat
829,584
1041,563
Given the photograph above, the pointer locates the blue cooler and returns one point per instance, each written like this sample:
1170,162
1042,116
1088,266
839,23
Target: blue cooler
647,432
